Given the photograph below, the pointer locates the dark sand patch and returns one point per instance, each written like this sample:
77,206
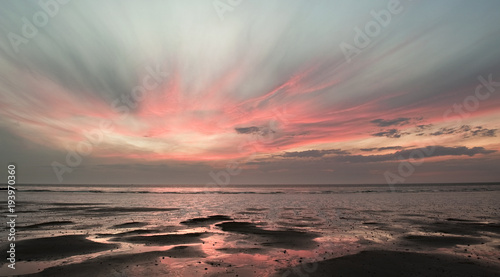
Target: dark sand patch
74,204
26,211
53,248
353,218
376,211
129,225
394,229
245,213
453,226
412,215
47,224
137,264
157,230
86,227
462,227
111,210
275,238
164,239
137,232
442,241
302,218
257,209
413,221
65,209
246,250
336,208
131,210
392,263
482,227
206,220
184,251
372,223
298,224
459,220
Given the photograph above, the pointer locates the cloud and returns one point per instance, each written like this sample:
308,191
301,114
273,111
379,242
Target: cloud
391,122
262,131
247,130
391,133
390,148
423,127
313,153
467,131
400,121
382,148
430,151
479,131
449,131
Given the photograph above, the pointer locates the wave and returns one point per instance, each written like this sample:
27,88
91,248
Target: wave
284,191
153,192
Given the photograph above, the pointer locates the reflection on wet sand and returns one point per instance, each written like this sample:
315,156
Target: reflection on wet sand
230,248
344,239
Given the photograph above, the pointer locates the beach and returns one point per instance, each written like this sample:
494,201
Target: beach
250,138
426,230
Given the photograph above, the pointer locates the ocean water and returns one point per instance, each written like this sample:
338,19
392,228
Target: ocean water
327,203
344,218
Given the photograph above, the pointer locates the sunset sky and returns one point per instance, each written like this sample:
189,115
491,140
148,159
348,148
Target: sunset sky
175,92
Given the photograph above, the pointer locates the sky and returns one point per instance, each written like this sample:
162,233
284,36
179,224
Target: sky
250,92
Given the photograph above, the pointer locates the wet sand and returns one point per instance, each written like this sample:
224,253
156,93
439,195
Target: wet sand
252,240
164,239
392,263
142,264
51,224
130,225
205,220
111,240
287,239
53,248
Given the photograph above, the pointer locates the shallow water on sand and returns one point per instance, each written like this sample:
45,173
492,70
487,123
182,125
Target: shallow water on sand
247,231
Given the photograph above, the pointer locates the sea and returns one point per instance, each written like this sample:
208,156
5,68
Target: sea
344,218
